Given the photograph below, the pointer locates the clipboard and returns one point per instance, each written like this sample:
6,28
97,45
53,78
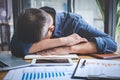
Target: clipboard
97,69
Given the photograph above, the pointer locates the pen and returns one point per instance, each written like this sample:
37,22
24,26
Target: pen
83,64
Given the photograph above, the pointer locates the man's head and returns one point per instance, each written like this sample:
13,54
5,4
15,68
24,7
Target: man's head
50,11
33,25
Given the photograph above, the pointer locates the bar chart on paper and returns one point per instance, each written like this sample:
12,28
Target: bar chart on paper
41,73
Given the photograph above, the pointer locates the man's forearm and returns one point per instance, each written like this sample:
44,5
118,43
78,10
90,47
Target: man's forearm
56,42
47,44
84,48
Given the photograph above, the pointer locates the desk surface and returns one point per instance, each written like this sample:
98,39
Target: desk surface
2,74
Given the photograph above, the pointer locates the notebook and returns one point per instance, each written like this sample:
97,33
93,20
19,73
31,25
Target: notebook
8,61
106,56
34,56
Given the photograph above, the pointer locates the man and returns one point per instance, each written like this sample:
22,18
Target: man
58,33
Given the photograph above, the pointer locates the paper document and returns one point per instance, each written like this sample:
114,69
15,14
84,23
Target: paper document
41,73
50,56
96,68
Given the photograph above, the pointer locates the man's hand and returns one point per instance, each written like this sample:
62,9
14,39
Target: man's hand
55,51
73,39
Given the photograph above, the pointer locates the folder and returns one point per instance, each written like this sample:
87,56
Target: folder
106,55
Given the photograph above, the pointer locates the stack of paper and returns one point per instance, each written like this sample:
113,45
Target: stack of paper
96,68
41,73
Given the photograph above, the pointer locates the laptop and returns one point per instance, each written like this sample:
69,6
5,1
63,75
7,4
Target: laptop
8,62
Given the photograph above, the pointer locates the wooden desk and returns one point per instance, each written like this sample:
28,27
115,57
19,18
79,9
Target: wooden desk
2,74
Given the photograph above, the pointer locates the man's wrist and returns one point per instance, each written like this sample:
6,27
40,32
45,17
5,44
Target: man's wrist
63,41
73,49
67,49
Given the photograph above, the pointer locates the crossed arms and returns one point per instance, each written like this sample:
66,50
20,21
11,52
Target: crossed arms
64,45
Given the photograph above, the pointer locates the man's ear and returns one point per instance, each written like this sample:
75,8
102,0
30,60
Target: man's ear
51,28
49,33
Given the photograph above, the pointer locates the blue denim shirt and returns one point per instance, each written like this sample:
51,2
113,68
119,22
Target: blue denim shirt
67,24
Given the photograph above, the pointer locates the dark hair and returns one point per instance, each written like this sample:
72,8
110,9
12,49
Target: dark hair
31,24
51,11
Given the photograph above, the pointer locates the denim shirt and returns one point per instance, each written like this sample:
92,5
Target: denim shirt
67,24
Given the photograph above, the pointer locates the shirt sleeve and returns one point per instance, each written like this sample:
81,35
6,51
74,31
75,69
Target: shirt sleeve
105,43
18,48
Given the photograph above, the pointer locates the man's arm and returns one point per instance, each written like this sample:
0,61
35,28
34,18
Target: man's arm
57,42
82,48
46,44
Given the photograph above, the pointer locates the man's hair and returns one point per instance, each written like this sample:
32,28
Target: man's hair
51,11
33,25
